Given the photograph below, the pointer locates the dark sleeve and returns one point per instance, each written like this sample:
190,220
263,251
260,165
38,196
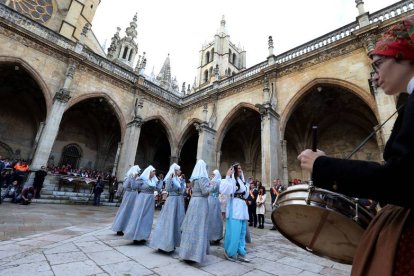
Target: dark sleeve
388,183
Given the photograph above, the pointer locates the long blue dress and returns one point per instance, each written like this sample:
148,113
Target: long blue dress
142,216
215,222
167,234
124,212
194,244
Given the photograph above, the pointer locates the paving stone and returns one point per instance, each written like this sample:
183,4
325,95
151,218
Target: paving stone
126,268
92,246
39,268
179,268
316,268
67,247
107,257
71,269
67,257
33,258
227,268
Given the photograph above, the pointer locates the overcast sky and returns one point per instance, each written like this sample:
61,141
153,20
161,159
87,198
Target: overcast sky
181,27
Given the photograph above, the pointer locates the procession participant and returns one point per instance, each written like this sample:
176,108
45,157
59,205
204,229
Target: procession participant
140,225
194,244
215,223
387,245
128,200
167,234
236,215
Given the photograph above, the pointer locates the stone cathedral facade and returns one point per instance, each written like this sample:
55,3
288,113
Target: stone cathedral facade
65,100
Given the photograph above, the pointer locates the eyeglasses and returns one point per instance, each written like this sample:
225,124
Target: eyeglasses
377,64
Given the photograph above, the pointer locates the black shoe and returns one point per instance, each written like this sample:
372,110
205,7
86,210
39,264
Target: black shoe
119,233
250,224
273,228
140,241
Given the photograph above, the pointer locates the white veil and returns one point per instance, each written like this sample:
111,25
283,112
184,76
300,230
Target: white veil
171,171
200,170
146,174
133,170
217,176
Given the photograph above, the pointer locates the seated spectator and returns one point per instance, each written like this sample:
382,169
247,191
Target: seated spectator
25,198
13,191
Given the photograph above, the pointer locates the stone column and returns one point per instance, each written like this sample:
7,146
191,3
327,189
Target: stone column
129,147
36,142
205,147
285,178
118,151
270,144
51,127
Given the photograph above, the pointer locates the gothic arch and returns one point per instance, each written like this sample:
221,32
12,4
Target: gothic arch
168,129
352,88
182,138
224,126
116,109
35,75
6,148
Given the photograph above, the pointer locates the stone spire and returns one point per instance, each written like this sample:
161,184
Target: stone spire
114,43
164,77
123,50
223,30
131,31
362,17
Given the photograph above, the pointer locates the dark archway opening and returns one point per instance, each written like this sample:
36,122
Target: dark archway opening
153,147
188,154
22,109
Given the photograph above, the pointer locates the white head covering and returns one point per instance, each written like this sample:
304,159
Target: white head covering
146,174
200,170
171,171
217,176
133,170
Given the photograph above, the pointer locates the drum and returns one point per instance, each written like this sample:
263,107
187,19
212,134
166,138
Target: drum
325,223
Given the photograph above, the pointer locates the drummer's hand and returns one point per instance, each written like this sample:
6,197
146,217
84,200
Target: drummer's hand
308,157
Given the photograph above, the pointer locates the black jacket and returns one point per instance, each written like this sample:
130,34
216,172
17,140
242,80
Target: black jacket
387,183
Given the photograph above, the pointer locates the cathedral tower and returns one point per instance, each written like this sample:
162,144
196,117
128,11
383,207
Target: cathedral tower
219,58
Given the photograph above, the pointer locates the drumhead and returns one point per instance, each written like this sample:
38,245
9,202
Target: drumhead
316,228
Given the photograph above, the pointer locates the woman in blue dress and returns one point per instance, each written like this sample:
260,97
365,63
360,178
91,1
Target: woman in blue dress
215,222
167,234
194,244
140,224
128,200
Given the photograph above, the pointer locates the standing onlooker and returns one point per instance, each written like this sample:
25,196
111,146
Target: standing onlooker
38,181
251,204
260,209
113,184
99,187
223,205
187,195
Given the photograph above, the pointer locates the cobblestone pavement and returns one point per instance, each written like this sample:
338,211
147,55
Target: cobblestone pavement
42,239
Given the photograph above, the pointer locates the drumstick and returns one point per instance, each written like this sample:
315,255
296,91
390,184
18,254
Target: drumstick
314,138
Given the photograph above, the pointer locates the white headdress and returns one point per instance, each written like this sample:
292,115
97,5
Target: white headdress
146,174
217,176
171,171
200,170
133,170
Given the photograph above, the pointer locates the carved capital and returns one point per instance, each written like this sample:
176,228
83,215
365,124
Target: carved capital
136,122
63,95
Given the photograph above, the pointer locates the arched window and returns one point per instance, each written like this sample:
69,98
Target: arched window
130,55
207,57
206,76
234,58
71,155
212,54
230,56
210,72
124,56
